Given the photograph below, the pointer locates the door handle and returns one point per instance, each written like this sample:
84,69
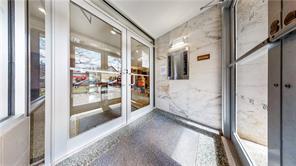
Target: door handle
276,85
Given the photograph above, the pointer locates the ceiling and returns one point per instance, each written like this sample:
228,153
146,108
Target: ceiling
157,17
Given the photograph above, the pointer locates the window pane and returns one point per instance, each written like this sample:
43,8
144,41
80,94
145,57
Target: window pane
140,78
3,58
95,71
37,48
114,63
252,106
252,24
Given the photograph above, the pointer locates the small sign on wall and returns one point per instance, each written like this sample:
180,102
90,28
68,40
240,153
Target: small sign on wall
203,57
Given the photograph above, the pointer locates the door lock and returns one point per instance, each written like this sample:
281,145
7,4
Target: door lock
288,85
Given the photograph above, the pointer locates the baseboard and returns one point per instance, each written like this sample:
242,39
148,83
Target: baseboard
191,123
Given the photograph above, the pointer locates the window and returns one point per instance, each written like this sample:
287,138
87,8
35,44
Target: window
87,59
140,75
251,79
37,56
114,63
95,71
37,39
5,59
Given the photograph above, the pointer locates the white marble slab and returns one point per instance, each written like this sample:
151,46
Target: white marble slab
252,28
198,98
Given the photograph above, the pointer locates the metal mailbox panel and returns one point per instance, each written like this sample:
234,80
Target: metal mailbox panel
289,101
274,105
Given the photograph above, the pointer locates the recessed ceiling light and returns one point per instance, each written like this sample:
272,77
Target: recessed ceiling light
42,10
113,32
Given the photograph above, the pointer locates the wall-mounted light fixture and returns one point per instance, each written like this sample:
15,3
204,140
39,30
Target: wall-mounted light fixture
113,32
42,10
179,42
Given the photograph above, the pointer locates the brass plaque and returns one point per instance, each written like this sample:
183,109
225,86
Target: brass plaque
203,57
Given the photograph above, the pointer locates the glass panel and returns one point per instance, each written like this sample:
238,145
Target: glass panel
140,76
251,95
37,71
95,71
252,24
3,58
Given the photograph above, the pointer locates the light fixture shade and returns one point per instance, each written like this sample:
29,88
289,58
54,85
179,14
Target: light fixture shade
113,32
42,10
178,43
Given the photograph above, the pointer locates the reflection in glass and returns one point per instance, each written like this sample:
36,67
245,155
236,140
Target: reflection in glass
95,71
140,78
251,96
37,42
251,24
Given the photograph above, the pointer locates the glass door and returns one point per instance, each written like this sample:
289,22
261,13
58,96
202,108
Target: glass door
95,71
139,77
89,82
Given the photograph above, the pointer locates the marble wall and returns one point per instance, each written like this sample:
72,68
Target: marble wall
198,98
252,72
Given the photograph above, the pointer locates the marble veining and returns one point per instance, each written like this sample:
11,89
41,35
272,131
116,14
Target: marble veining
199,98
156,139
252,24
252,77
252,29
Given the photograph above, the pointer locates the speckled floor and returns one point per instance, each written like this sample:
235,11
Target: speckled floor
155,139
37,121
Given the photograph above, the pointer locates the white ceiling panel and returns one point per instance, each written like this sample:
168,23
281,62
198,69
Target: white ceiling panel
157,17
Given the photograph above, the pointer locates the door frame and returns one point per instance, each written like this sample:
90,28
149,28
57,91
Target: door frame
131,116
58,143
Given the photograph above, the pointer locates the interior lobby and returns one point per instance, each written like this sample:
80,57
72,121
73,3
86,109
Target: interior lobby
147,82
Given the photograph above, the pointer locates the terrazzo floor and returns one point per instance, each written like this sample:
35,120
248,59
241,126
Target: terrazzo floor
157,139
37,124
